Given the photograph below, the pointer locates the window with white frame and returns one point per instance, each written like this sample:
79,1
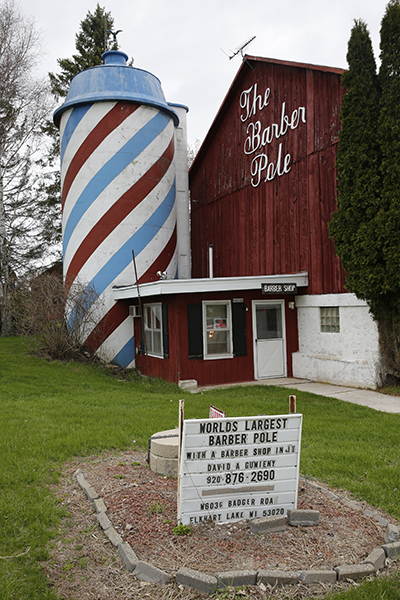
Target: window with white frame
217,329
330,322
153,329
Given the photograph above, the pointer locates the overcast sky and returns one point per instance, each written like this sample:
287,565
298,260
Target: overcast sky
180,41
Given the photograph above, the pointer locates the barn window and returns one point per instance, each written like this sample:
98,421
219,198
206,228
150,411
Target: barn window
155,325
330,322
217,329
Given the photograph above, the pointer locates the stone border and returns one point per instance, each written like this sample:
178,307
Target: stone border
208,584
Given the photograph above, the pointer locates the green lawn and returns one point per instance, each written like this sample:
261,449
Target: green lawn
53,411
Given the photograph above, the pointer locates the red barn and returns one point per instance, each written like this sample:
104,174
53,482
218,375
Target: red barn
263,185
267,296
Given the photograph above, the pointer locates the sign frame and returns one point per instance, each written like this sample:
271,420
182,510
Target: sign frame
232,469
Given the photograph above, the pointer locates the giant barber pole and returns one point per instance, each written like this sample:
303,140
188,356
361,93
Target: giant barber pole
118,175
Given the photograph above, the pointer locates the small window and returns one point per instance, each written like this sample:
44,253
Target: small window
153,329
330,322
217,329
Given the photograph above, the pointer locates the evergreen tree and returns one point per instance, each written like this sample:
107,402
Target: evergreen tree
387,302
366,226
90,43
358,169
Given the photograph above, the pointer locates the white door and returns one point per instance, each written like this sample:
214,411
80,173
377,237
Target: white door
269,338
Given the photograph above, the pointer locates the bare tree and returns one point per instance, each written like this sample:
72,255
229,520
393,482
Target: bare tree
54,321
192,151
24,106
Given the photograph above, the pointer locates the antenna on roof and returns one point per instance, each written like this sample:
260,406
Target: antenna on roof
240,48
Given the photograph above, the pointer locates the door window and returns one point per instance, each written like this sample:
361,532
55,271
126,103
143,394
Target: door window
269,321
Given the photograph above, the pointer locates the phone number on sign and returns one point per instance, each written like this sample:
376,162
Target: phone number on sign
240,477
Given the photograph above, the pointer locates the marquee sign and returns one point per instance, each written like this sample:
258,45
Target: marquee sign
235,469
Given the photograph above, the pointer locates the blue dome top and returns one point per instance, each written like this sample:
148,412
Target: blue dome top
115,80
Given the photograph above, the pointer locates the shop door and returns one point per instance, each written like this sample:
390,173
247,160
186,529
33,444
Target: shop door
269,338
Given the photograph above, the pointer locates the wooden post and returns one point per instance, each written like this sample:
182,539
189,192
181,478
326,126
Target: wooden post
181,419
292,404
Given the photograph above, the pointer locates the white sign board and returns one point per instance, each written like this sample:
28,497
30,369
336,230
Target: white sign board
243,468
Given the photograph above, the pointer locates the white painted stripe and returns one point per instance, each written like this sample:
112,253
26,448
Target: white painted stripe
64,120
103,153
151,252
126,277
117,340
114,242
123,182
129,225
120,336
86,125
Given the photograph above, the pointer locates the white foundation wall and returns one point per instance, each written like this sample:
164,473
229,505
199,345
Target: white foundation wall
350,357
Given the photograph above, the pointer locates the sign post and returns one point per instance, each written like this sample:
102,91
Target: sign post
181,422
235,469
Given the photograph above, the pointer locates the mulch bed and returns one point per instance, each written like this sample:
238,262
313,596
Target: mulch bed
142,508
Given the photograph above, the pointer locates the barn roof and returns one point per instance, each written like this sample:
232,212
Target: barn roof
243,70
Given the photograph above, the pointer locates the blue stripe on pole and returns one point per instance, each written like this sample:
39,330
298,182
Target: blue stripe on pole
123,257
126,355
111,170
138,242
73,121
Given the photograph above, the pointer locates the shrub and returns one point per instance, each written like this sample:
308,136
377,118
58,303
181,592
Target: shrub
40,306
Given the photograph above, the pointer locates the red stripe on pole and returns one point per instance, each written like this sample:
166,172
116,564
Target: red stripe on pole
118,312
108,123
107,325
162,261
118,212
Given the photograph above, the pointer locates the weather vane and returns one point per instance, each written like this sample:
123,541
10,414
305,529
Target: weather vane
114,34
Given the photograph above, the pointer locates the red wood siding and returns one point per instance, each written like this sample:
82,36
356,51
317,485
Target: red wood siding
230,370
279,226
